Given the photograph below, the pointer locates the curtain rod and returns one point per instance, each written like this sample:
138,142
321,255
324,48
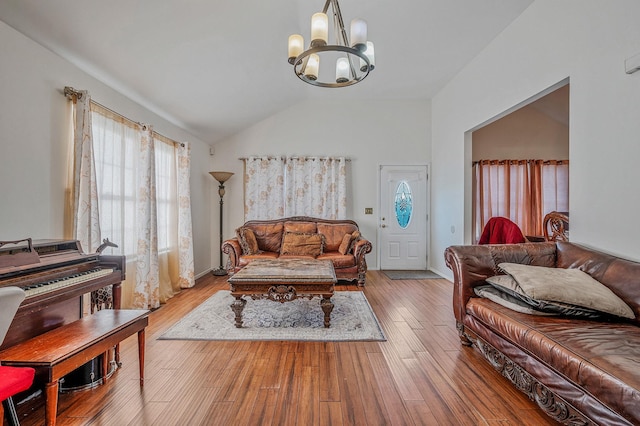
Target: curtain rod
518,161
71,93
271,157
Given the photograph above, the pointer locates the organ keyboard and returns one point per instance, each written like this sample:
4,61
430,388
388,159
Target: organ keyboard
54,274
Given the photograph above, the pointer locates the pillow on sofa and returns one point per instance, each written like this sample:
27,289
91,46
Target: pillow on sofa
248,241
570,286
508,293
496,294
301,244
345,245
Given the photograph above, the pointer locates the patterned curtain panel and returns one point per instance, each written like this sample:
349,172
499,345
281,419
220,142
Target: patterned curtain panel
147,286
186,275
264,188
316,187
86,227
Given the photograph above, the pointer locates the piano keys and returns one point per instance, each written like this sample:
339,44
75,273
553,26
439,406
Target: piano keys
54,274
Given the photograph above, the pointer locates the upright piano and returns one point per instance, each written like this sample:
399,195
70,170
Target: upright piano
54,274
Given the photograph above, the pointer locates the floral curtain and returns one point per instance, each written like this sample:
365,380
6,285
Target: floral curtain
147,288
264,188
186,274
86,226
316,187
141,180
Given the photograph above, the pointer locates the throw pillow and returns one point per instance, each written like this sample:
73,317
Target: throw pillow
508,293
505,299
301,244
345,245
571,286
248,242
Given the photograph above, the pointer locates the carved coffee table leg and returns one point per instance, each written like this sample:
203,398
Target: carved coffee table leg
237,306
327,307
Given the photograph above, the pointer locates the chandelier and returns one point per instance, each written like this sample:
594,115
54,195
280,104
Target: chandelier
353,61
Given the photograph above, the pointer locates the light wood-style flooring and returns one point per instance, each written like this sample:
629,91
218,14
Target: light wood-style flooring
421,376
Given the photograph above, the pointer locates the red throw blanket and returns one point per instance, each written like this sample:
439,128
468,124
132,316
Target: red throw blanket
500,230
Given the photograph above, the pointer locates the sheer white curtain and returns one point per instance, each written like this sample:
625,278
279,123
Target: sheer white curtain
145,205
316,187
86,224
264,188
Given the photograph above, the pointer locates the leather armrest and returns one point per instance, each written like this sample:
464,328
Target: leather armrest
234,251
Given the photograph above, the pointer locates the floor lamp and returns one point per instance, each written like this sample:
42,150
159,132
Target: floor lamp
221,177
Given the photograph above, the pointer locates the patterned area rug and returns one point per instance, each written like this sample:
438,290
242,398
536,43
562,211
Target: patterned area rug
411,275
352,319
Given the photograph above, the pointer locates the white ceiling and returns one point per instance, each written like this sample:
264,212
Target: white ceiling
216,67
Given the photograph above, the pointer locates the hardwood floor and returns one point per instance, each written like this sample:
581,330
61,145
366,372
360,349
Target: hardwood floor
421,376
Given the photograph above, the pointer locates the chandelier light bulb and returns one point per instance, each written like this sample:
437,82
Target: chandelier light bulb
311,70
319,29
342,70
359,34
371,56
296,46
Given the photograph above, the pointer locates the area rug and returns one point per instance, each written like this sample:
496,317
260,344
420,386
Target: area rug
411,275
352,319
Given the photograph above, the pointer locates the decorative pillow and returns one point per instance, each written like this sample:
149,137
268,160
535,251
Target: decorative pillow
301,244
508,293
571,286
248,241
507,300
345,245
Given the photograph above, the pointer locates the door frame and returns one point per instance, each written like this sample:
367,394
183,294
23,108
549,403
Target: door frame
427,166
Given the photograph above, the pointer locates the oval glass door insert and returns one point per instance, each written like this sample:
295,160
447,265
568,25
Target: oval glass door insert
403,204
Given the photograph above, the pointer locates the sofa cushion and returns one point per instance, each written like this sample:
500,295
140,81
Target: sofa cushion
247,240
569,286
269,236
340,261
599,356
301,244
345,245
497,294
297,226
333,233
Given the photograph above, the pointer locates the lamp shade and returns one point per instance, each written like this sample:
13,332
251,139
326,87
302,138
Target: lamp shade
296,46
371,56
319,29
359,34
313,65
342,70
221,176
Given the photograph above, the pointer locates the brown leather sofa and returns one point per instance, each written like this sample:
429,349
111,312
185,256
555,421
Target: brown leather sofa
579,371
349,266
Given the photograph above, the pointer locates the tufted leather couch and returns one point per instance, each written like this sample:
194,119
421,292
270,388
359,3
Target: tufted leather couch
578,371
351,266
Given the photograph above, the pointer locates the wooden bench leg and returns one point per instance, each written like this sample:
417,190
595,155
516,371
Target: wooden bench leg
51,403
141,355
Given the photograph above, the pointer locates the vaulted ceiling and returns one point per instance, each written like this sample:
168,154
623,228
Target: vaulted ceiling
216,67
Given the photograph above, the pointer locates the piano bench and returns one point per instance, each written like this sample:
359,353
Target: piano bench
60,351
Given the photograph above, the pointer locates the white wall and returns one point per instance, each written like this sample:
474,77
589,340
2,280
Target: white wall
586,41
34,136
370,133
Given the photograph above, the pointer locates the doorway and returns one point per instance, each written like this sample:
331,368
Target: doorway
403,220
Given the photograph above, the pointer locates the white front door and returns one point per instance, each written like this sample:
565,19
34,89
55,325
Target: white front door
402,225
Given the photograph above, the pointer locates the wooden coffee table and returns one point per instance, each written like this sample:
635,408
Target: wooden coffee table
284,280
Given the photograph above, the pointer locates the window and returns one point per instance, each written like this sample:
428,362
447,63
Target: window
403,204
